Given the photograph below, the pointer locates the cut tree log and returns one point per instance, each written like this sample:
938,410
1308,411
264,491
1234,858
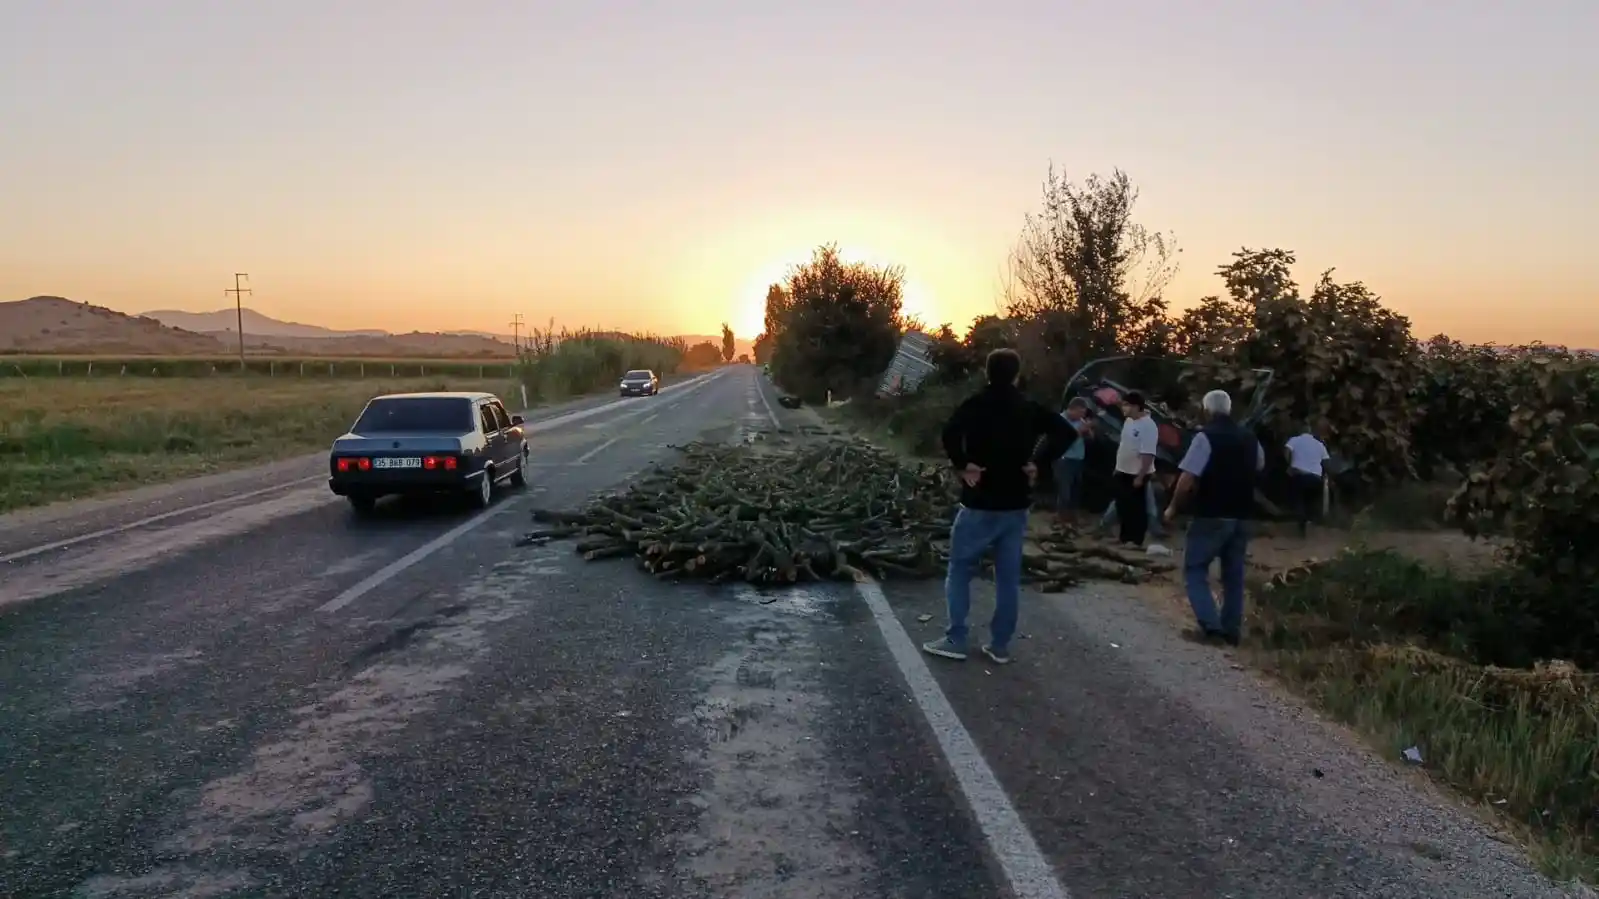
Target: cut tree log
822,508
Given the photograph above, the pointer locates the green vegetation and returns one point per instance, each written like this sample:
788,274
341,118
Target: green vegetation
1418,657
559,365
1497,441
832,327
67,438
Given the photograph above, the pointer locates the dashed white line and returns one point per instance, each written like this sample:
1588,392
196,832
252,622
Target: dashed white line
383,575
533,427
19,555
583,459
1025,867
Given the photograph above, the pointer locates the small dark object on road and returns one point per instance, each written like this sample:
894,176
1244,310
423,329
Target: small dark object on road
806,511
789,402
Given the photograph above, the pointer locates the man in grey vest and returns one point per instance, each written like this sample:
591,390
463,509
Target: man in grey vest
1219,470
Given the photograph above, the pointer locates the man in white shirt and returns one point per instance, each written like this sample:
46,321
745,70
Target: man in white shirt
1306,457
1135,464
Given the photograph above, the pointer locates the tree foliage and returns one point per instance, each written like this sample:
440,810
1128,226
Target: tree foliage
1087,279
729,346
834,325
702,355
1339,359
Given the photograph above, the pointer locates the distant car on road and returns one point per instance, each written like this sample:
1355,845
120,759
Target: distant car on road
640,382
414,443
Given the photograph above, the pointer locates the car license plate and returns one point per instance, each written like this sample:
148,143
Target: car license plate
401,462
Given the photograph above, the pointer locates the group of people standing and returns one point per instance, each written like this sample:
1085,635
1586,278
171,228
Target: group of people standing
998,440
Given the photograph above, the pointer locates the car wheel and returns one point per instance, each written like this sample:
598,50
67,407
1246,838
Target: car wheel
483,496
363,504
519,476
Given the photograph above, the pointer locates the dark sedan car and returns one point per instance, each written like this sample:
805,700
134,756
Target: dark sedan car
414,443
639,382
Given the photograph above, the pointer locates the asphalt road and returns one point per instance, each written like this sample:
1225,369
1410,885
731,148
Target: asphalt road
234,687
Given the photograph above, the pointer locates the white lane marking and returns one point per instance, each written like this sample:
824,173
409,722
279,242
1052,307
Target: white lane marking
386,573
532,427
21,554
649,418
1029,873
769,413
681,389
583,459
383,575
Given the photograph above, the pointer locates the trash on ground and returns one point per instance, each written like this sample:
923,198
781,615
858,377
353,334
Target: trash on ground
1413,755
924,618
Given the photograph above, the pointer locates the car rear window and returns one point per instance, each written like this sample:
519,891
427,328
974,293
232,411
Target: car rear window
637,375
415,413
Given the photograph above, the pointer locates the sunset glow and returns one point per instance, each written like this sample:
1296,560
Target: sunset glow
567,168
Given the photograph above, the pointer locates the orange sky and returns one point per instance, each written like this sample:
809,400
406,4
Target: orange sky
415,170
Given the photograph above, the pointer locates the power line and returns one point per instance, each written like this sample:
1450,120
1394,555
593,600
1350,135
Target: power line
516,333
238,292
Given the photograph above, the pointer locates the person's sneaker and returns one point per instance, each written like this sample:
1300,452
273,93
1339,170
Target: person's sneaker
997,656
945,648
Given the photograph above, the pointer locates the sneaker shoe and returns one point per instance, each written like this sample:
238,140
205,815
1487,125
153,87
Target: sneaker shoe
997,656
945,648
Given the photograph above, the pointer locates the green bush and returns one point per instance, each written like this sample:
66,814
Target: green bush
570,364
1504,616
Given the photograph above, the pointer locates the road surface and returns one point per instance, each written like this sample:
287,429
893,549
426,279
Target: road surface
234,687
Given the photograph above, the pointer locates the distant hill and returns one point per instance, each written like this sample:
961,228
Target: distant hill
416,345
55,325
59,325
254,323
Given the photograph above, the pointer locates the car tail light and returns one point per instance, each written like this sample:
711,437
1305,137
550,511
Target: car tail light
450,463
430,462
344,464
364,464
435,463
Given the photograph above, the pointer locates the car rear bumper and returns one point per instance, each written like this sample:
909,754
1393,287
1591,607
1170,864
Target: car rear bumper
410,480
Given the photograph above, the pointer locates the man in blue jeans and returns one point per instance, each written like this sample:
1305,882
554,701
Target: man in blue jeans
993,441
1219,469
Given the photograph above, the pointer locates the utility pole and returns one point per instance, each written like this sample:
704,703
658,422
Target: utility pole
238,291
516,333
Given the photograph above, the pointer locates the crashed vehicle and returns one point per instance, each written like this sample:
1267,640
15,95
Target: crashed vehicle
1172,388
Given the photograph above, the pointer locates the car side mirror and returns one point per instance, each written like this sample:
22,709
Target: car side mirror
517,420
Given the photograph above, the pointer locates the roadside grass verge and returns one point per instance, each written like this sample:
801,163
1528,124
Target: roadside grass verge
1460,666
69,438
1414,656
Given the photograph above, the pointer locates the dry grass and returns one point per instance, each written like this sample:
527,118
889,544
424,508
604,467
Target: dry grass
72,438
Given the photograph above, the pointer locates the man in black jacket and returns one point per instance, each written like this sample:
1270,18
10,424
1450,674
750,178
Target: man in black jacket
1220,469
994,442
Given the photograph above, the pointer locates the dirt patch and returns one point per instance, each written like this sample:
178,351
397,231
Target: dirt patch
301,786
1277,548
775,821
98,691
168,883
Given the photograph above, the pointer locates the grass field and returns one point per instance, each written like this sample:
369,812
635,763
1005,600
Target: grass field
19,367
67,438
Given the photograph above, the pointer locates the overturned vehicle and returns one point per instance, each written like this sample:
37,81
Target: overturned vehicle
1172,389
